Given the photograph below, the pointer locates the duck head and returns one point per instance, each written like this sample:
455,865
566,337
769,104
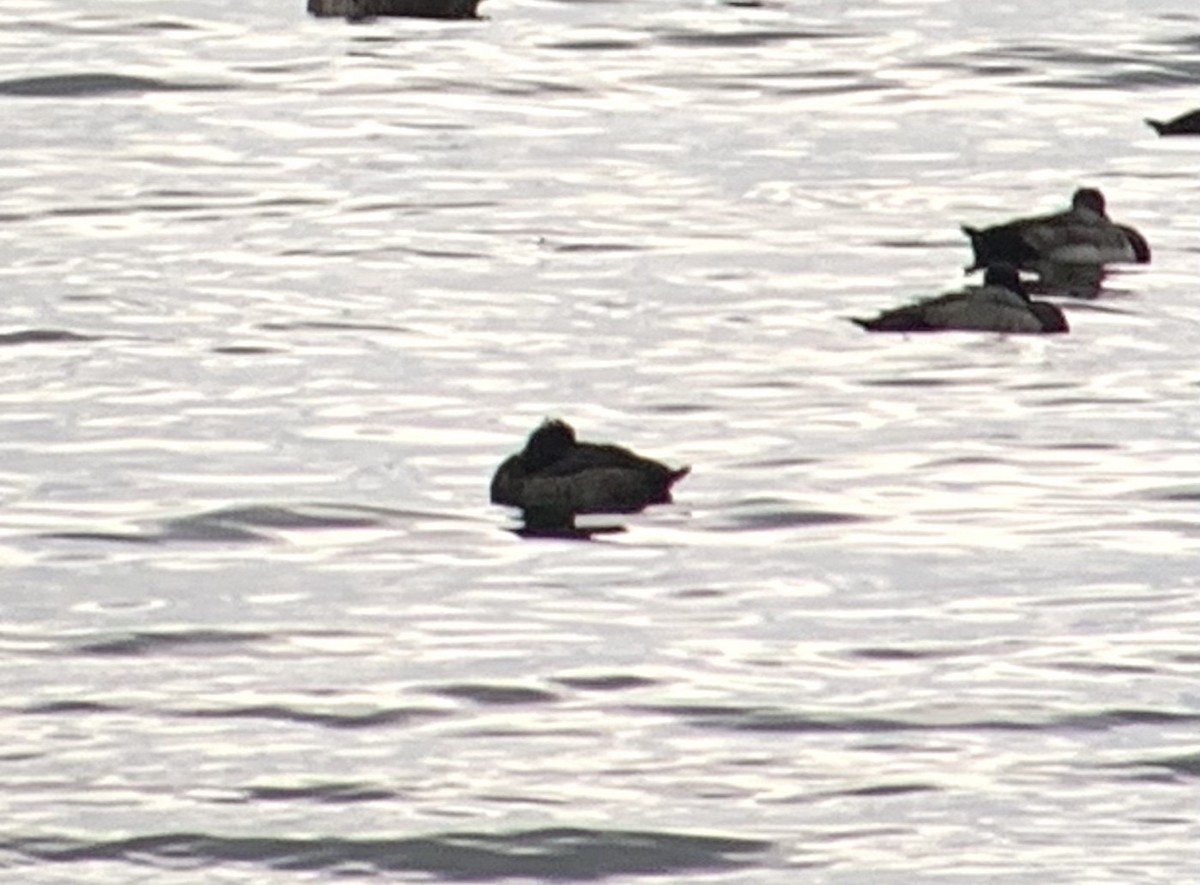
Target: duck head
550,442
1089,199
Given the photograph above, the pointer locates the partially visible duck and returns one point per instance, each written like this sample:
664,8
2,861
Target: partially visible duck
357,9
1001,304
1083,234
1185,124
555,477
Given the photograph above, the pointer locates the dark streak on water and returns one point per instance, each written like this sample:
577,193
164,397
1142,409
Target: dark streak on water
242,524
84,85
566,855
42,336
776,720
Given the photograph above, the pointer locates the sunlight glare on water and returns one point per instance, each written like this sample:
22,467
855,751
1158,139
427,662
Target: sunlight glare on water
282,292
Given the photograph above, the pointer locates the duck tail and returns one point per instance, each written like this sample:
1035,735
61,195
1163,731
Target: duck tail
1141,248
677,475
1157,126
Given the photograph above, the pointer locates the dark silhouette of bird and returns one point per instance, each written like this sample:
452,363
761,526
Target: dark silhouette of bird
1001,304
1184,124
556,477
1083,234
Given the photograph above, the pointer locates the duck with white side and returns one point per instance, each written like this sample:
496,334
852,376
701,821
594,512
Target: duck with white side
1083,234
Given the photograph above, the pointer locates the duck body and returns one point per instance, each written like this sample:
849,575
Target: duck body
1083,234
556,474
359,9
1185,124
1001,304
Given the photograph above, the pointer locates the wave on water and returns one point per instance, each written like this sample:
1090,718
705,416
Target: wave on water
245,524
41,336
330,717
735,718
145,642
558,854
84,85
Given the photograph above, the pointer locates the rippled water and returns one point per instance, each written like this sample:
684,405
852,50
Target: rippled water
282,292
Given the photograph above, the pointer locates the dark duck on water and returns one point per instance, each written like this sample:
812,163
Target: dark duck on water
1083,234
1001,304
1185,124
556,477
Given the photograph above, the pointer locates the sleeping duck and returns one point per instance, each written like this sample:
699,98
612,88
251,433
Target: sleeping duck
1185,124
359,9
1001,304
1083,234
555,477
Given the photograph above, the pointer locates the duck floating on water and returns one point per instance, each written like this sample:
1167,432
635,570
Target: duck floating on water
1083,234
1184,124
556,477
1001,304
359,9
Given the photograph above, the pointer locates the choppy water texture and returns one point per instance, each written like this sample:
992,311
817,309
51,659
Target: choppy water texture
280,293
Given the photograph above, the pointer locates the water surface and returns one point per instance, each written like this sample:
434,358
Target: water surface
282,292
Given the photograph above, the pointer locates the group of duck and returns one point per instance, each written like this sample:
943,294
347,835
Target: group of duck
555,477
1067,252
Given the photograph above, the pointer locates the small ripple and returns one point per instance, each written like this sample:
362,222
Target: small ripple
122,27
614,682
1081,69
598,247
890,790
82,85
559,854
42,336
1160,769
744,38
201,642
69,708
496,695
735,718
247,524
594,45
246,350
324,718
331,326
769,514
899,654
1089,667
325,794
911,381
1187,764
355,717
1172,493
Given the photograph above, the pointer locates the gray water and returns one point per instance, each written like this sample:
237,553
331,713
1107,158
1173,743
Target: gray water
280,293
